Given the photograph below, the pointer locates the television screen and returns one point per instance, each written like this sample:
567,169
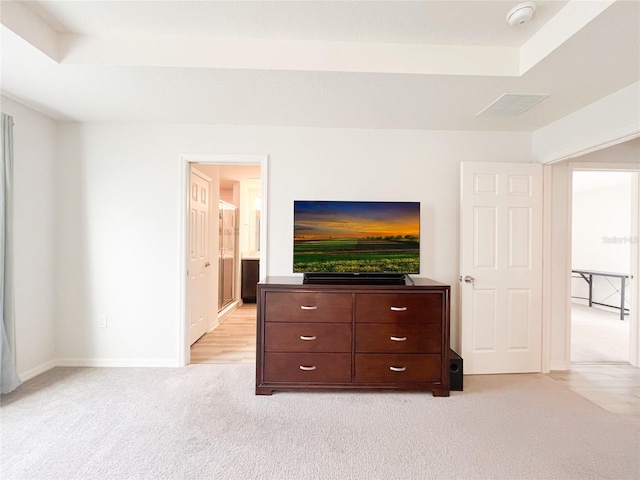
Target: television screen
356,237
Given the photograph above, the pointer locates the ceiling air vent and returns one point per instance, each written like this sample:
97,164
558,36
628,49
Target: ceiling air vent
512,104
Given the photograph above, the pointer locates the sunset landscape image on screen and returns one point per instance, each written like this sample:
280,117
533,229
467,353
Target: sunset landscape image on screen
373,237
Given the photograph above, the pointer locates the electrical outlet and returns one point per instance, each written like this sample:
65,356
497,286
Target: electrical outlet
102,321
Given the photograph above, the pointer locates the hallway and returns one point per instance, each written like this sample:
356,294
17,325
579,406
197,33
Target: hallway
234,341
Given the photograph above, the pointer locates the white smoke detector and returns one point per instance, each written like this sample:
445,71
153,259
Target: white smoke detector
521,13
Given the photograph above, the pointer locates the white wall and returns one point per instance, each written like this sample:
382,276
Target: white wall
603,123
601,231
35,145
601,224
120,219
606,122
557,265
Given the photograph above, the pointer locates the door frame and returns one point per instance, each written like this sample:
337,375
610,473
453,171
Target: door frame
212,159
557,244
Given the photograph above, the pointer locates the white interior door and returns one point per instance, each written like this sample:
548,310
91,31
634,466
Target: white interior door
501,267
199,262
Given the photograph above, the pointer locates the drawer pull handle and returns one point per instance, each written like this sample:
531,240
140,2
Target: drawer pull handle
305,337
305,307
395,369
399,339
307,369
398,309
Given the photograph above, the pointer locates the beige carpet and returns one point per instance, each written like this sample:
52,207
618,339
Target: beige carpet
204,422
598,335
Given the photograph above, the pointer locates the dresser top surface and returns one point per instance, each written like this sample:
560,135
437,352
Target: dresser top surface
298,281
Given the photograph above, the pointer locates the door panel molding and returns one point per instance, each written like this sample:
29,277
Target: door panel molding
501,247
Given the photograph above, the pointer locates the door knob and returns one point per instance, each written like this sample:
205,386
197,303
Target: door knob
469,279
207,264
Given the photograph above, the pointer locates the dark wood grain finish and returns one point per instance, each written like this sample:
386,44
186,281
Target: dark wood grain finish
397,368
388,338
399,308
352,325
309,307
316,367
307,337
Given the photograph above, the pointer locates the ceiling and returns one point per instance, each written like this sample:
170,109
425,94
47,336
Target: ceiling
627,152
230,174
388,64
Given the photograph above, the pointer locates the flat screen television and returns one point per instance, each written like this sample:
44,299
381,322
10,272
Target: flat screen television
350,237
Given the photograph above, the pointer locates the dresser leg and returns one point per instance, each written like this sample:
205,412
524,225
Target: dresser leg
263,391
441,393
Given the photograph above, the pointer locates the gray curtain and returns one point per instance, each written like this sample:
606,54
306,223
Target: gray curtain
9,379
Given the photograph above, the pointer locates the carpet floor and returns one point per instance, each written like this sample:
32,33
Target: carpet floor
204,422
598,335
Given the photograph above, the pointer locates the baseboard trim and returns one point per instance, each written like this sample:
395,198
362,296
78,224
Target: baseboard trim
560,366
117,362
227,311
34,372
213,325
99,363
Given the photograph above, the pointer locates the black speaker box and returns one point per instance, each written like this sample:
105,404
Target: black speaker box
455,371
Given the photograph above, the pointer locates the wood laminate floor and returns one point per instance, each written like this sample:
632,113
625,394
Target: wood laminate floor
614,387
233,341
600,370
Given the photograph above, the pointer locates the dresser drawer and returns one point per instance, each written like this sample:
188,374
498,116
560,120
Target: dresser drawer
307,337
397,368
308,307
346,335
308,367
399,308
398,338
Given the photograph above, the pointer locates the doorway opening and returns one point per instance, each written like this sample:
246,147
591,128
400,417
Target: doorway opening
602,241
233,230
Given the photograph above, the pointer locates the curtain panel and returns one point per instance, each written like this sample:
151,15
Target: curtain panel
9,379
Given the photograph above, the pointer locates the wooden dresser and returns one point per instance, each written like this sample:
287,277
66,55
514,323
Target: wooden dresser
329,337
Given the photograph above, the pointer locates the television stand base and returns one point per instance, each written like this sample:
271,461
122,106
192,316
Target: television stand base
357,279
